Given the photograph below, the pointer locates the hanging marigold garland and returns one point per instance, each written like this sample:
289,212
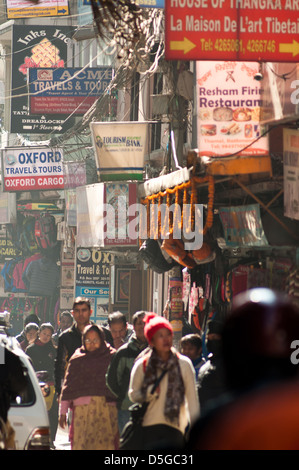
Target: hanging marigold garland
158,228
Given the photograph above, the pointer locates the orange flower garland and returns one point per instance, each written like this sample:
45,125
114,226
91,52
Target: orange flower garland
158,229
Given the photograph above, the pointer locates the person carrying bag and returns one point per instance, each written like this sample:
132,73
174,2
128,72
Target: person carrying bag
174,406
132,436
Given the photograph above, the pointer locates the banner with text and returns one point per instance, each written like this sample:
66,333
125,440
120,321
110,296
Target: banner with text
66,90
32,168
229,103
93,280
27,9
120,148
35,46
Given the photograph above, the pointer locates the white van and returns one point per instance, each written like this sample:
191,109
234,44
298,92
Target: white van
28,413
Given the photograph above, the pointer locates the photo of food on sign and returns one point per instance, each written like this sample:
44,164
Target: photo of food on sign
233,116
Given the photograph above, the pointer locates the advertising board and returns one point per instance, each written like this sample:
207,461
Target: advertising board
36,46
250,30
25,9
120,149
93,280
229,105
66,90
32,168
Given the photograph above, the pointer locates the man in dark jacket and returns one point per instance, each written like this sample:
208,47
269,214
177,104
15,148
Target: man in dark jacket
211,377
118,374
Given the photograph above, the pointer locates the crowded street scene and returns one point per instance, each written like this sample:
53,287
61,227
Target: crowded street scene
149,228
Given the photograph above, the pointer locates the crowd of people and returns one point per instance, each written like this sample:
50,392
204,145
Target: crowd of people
217,391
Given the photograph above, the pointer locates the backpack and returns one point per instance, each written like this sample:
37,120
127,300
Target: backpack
45,231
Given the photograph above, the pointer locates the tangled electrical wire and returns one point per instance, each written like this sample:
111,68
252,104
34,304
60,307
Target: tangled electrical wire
141,47
121,19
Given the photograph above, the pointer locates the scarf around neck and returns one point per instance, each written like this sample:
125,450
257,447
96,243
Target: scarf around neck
175,390
85,375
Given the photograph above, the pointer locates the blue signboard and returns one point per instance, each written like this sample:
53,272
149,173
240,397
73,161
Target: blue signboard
66,90
93,280
69,81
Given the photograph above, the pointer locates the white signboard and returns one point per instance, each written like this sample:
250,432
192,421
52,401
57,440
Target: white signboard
90,226
120,148
229,101
32,168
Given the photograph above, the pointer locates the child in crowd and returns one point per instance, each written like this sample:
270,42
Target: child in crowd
191,346
31,334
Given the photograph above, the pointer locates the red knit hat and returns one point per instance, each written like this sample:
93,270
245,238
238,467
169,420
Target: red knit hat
153,323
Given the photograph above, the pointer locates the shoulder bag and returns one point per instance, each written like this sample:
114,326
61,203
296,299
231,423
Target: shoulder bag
132,435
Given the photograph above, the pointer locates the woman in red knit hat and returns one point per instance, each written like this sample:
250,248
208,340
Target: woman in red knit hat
174,404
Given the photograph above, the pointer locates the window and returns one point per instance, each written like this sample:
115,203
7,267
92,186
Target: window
134,111
27,398
156,128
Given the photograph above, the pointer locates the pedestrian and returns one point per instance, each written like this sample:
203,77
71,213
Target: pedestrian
119,328
71,339
65,322
31,333
42,354
260,412
191,346
174,404
84,391
32,318
211,377
118,374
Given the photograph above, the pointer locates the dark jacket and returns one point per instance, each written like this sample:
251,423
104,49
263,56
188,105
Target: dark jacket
211,382
68,342
118,374
42,357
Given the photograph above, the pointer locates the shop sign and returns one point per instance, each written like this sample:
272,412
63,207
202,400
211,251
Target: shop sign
291,173
250,30
36,46
26,9
32,168
66,298
66,90
7,248
120,148
229,105
242,225
176,299
93,279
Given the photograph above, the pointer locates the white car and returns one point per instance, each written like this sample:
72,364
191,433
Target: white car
28,414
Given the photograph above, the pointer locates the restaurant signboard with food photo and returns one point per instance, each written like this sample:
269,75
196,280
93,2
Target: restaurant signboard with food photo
229,104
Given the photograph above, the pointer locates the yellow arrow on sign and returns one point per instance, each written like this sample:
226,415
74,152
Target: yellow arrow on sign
292,47
186,45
